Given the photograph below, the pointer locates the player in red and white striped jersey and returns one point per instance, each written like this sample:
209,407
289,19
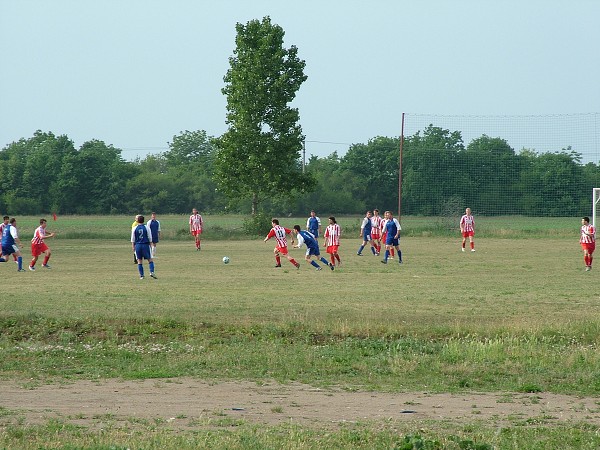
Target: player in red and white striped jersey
196,224
467,229
279,233
588,242
332,241
38,246
376,222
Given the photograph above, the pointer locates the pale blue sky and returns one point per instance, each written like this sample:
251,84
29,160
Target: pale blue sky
135,73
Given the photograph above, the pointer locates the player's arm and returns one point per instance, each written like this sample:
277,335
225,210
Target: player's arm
270,235
289,232
300,241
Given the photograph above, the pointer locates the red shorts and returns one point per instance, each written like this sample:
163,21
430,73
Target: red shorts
332,249
375,234
196,232
589,246
38,249
468,233
282,250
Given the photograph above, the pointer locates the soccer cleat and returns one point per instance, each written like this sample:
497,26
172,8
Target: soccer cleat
383,262
331,266
399,261
46,266
20,270
472,249
377,254
359,254
588,268
32,268
463,249
142,277
153,276
277,265
318,268
297,266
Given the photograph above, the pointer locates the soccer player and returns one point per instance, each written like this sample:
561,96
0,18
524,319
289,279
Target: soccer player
588,242
376,221
384,234
2,225
392,240
11,242
155,228
365,233
196,224
467,228
38,246
133,225
312,247
313,224
141,236
332,241
280,233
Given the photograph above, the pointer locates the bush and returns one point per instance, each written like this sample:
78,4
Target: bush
257,225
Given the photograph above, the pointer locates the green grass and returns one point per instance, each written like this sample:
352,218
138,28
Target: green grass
230,227
518,315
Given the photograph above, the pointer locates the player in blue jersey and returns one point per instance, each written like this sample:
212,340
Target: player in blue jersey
365,234
11,243
312,248
313,224
141,236
155,229
392,240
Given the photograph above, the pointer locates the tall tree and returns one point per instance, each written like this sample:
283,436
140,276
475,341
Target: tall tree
259,154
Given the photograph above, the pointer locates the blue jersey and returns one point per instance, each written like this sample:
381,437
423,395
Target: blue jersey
391,226
154,229
7,239
309,239
141,234
366,226
313,225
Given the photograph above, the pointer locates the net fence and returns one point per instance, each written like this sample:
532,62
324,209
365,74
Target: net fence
543,165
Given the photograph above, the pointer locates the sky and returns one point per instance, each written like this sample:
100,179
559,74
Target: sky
135,73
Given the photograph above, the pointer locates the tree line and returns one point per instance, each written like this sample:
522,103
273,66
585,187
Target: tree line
46,173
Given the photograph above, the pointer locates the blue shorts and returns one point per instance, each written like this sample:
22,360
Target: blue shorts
367,237
391,241
313,251
315,233
142,251
9,250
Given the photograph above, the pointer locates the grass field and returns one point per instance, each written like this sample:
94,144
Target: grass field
518,315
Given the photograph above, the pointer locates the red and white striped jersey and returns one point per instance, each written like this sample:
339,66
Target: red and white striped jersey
376,222
588,234
332,234
196,222
39,235
467,223
279,233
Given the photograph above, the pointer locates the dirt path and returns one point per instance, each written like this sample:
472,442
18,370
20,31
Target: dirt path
178,401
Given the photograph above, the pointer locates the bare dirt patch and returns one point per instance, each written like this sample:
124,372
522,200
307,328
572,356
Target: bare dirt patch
176,401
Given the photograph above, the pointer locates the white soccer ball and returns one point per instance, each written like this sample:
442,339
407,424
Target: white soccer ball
225,259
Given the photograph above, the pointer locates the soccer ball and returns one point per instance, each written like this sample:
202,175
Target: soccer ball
225,259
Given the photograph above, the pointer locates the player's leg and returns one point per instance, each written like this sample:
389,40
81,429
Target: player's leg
47,255
472,243
277,258
19,261
362,246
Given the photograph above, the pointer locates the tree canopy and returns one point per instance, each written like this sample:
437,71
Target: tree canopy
258,156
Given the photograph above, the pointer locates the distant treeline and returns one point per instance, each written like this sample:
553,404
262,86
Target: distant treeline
441,175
